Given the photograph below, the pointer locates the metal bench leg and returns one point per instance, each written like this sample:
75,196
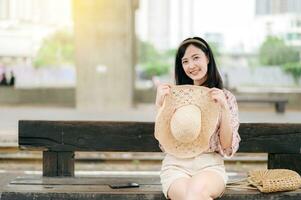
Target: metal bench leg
58,163
280,107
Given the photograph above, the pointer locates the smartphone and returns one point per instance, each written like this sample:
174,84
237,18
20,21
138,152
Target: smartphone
123,185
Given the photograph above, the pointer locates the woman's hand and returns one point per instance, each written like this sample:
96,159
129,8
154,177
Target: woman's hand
219,97
162,90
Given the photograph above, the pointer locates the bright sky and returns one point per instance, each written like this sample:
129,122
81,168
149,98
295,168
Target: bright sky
219,15
233,18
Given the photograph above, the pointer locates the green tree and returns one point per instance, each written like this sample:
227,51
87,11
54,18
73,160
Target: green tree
294,69
275,52
147,52
154,62
216,52
56,50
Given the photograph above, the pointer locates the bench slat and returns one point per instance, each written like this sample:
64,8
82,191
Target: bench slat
286,161
278,101
145,192
261,99
138,136
78,188
95,180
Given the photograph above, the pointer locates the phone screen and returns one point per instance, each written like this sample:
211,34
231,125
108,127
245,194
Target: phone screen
123,185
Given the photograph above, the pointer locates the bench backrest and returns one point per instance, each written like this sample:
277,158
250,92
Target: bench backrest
279,139
262,99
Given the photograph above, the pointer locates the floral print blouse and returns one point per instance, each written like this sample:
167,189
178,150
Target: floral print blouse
215,144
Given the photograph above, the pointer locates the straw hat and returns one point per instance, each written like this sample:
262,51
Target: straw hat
186,121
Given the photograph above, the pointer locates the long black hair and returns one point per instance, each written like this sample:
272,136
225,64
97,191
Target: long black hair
213,76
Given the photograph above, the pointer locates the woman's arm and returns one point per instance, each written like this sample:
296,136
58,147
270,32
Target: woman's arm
229,123
226,132
162,90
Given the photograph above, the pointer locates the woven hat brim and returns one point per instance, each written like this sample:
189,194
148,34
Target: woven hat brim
181,96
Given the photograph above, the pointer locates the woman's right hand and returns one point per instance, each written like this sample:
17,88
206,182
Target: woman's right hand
162,90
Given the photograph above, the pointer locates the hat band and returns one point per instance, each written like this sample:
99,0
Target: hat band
193,41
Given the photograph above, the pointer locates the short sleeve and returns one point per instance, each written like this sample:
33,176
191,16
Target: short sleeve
229,152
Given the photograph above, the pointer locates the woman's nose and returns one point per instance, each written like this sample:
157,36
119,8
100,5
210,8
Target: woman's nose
190,65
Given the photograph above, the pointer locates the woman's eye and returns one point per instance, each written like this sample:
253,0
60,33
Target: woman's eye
184,62
196,58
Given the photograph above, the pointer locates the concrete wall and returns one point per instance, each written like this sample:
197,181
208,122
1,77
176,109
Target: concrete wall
38,96
294,97
66,96
105,53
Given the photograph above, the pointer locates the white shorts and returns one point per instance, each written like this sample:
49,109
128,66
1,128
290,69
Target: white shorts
174,168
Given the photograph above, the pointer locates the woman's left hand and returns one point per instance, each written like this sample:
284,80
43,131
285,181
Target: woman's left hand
219,97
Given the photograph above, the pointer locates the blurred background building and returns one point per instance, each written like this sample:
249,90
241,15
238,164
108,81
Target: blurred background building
24,23
37,42
280,18
164,23
272,7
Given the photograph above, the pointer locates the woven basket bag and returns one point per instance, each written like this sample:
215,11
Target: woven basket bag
271,180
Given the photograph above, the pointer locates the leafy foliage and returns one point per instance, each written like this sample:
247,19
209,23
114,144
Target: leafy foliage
154,62
216,52
294,69
56,50
275,52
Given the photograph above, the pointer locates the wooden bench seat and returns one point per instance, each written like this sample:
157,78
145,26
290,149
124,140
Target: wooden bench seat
60,139
95,188
279,102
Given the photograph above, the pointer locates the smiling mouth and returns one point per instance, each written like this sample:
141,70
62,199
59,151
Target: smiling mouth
194,72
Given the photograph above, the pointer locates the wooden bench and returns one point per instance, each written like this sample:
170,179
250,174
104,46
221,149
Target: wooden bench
278,101
60,139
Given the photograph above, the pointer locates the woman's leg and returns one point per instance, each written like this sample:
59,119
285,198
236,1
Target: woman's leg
177,190
206,185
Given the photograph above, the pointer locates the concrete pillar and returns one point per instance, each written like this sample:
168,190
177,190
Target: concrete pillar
105,53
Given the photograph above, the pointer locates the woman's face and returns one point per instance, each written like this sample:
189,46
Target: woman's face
195,64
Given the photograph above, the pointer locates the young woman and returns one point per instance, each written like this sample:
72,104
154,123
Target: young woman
195,65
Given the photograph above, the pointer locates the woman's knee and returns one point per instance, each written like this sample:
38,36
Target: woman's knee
207,184
177,190
198,189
